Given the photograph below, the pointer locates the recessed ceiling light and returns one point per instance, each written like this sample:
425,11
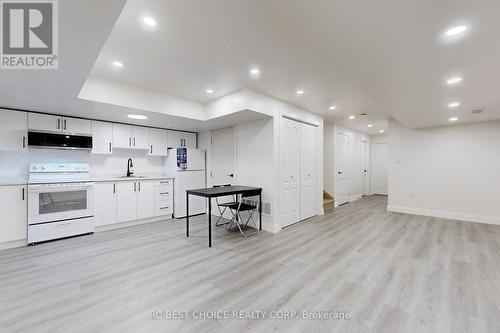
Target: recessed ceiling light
137,116
118,64
381,131
453,119
149,21
254,71
209,91
454,80
370,125
333,107
455,30
352,117
300,92
454,105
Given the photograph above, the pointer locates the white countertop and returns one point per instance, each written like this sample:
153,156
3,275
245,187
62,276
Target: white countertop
11,181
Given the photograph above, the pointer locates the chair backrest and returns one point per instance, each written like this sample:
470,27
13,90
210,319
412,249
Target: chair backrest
224,185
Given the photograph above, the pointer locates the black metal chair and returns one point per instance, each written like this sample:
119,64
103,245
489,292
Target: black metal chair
245,205
225,205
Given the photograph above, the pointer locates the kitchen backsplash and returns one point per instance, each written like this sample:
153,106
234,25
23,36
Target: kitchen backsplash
16,164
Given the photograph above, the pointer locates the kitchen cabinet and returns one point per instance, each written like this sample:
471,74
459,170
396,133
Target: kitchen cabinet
130,137
14,221
102,137
13,130
50,123
105,203
145,199
126,201
181,139
157,142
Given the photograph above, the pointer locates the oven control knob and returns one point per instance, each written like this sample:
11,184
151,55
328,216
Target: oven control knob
43,168
34,167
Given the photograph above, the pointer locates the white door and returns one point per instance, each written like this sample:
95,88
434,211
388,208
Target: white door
140,137
308,193
76,126
13,224
13,130
122,136
44,122
223,163
364,167
157,142
290,172
126,201
102,137
145,199
341,168
380,167
105,203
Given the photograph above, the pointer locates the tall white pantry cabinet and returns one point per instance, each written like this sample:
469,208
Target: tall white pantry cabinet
298,182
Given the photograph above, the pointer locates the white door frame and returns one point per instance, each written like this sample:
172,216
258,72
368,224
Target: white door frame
371,164
365,175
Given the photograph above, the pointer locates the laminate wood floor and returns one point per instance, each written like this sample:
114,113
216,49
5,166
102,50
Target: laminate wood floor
391,272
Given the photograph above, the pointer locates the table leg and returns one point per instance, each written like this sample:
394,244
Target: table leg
187,214
209,222
260,212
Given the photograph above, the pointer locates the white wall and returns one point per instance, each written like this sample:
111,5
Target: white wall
16,164
451,172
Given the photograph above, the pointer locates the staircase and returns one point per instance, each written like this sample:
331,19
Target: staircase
327,201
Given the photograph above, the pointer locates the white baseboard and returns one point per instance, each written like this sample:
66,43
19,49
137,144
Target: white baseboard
351,199
445,214
13,244
131,223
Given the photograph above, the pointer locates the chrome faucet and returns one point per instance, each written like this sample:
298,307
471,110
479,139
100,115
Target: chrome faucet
130,168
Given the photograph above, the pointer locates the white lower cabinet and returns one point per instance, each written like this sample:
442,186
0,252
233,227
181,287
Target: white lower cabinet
105,203
126,201
145,199
14,209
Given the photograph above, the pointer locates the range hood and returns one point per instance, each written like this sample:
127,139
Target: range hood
59,141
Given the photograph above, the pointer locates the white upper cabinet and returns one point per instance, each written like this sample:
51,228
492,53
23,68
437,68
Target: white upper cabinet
49,123
76,126
181,139
131,137
102,137
13,130
122,136
140,137
157,142
44,122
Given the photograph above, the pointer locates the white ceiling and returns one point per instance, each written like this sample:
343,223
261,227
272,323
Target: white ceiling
385,57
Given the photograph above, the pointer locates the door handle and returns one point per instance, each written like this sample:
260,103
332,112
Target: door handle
135,184
151,148
231,175
139,186
340,172
130,142
24,142
134,142
64,124
58,123
23,193
110,147
114,188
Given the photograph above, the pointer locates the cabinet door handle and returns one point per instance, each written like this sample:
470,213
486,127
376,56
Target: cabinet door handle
139,187
58,123
24,142
130,142
110,147
151,149
164,207
114,188
23,193
64,124
134,142
167,182
135,189
163,193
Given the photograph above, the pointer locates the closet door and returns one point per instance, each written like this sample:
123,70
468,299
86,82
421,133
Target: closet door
308,176
290,172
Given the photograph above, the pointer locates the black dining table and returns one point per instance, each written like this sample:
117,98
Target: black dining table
222,191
